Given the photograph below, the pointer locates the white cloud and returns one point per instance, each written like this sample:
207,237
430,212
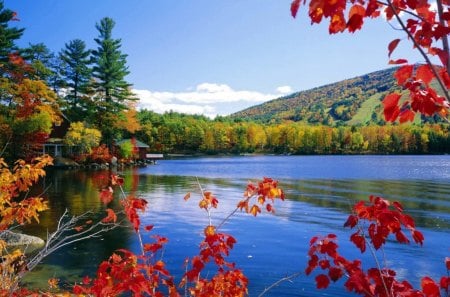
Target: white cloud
284,90
205,99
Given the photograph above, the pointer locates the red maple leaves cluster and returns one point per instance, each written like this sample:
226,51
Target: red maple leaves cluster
425,27
384,219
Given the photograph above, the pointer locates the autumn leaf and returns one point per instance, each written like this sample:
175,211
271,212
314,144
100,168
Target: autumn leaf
295,5
424,73
391,109
322,281
111,217
418,237
392,45
53,283
106,195
356,16
429,287
403,74
187,196
255,210
399,61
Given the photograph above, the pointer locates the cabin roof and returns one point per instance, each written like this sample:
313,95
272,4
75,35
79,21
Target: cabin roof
139,143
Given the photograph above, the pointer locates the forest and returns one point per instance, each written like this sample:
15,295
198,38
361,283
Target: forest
86,89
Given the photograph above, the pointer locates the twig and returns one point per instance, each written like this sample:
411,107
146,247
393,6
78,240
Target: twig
278,282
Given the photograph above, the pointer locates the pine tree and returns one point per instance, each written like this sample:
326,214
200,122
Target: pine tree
8,35
110,69
77,75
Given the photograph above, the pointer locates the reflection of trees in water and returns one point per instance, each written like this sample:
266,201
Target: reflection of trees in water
427,202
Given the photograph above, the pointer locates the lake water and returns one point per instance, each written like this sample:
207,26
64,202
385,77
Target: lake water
319,190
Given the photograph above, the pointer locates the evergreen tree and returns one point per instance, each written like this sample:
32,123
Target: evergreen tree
112,92
109,69
77,75
8,35
40,58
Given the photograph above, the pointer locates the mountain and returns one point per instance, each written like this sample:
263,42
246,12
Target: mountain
351,101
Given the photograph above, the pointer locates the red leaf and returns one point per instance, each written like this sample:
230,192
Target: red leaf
392,45
399,61
429,287
337,23
401,237
295,5
445,283
355,19
418,237
359,241
335,273
324,264
391,109
403,74
398,206
351,221
406,115
424,73
106,195
322,281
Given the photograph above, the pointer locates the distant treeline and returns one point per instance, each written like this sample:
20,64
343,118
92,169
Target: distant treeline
178,133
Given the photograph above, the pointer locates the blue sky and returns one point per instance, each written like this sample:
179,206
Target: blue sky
213,57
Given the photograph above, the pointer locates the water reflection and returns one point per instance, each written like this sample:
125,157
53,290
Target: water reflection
269,247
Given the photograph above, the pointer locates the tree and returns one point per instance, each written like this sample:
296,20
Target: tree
109,71
77,74
83,137
8,35
40,58
110,68
423,26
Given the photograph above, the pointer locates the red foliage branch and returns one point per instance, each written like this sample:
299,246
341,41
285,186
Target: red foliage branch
424,28
384,218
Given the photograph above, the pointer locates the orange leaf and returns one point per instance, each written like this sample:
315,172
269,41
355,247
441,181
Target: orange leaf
187,196
255,210
111,217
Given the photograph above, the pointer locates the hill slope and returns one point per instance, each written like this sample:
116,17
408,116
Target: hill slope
351,101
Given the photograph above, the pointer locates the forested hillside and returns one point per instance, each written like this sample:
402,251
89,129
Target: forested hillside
351,101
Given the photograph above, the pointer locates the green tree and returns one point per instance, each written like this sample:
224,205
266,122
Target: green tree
77,75
8,35
109,70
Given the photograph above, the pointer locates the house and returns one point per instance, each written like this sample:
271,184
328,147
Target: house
54,145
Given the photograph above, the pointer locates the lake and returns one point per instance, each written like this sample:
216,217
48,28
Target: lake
319,193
